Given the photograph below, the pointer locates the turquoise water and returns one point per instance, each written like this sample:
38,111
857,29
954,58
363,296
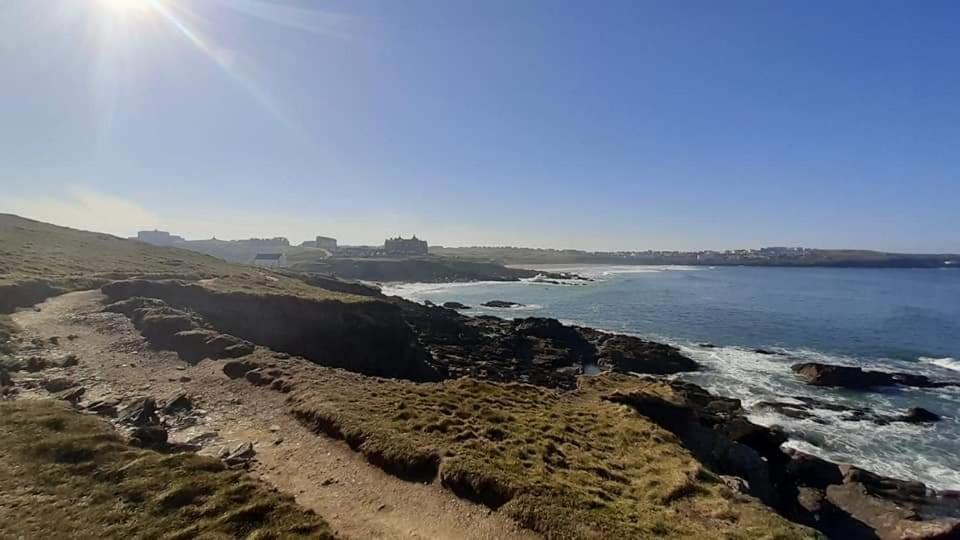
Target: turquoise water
901,319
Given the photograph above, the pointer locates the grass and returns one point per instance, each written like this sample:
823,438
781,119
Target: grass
61,471
568,465
51,260
8,332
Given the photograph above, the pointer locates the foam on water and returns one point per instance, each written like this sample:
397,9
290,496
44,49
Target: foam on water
946,363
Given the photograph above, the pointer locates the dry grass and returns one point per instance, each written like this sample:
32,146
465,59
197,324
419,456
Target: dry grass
66,474
8,331
54,260
568,465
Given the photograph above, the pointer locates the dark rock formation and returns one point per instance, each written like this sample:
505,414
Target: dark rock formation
141,412
842,501
149,436
237,369
858,378
628,353
5,379
455,305
177,402
765,352
368,337
807,409
501,304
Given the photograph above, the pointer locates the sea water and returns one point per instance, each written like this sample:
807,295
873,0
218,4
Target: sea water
894,319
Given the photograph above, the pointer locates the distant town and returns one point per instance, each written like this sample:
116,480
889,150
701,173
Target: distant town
279,252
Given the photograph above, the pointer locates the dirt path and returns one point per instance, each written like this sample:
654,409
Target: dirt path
359,500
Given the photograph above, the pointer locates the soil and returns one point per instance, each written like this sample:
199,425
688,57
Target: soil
357,499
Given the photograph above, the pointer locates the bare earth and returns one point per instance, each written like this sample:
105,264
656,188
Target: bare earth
357,499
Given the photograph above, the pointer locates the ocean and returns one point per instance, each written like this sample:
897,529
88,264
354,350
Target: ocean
896,319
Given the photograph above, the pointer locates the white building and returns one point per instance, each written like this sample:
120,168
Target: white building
270,260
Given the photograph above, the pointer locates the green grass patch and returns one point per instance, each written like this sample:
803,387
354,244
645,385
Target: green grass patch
67,474
569,465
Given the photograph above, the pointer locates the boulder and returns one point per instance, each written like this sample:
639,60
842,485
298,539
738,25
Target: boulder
195,345
631,354
818,374
258,377
149,436
177,402
57,385
239,456
72,395
237,368
141,412
919,415
455,305
810,471
501,304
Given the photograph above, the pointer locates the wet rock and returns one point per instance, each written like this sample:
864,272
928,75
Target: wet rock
455,305
706,345
766,352
919,415
818,374
501,304
140,413
810,471
631,354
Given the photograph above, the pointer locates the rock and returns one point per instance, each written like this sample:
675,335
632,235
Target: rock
455,305
5,379
140,413
102,407
195,345
57,385
918,415
237,369
631,354
501,304
706,345
241,455
258,377
73,395
810,471
177,402
818,374
765,352
149,436
805,408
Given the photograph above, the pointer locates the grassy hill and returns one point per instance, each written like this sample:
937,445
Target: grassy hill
39,260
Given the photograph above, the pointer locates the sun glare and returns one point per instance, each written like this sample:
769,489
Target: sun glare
126,9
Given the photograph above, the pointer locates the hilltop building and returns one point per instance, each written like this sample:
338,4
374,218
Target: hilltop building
158,238
270,260
404,246
325,242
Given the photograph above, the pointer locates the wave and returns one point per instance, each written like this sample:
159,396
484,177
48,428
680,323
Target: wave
946,363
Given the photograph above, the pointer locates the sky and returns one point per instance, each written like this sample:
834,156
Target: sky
591,125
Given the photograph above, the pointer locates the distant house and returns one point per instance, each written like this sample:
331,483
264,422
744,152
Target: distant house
270,260
405,246
325,242
159,238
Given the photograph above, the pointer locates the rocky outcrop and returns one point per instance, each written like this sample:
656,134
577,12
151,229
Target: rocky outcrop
861,379
806,408
631,354
840,500
501,304
168,328
368,337
455,305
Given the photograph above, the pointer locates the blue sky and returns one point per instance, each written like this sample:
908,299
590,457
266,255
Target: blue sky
594,125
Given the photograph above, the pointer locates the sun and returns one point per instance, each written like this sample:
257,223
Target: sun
127,9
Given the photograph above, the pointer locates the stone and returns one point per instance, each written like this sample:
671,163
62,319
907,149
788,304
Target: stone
631,354
258,377
455,305
140,413
236,369
73,395
177,402
149,436
57,385
918,415
501,304
818,374
5,379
